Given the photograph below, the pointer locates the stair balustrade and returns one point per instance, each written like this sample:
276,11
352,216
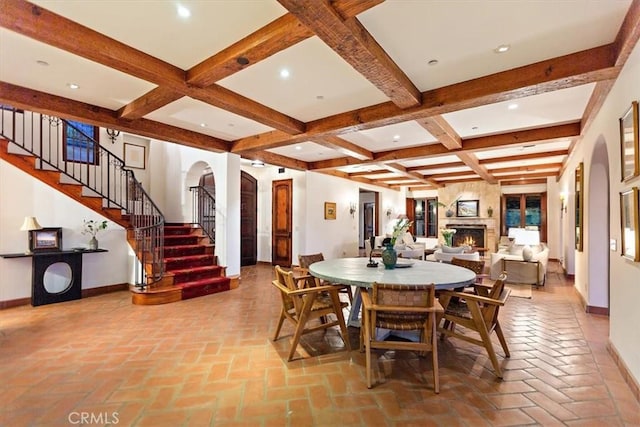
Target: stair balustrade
98,170
203,205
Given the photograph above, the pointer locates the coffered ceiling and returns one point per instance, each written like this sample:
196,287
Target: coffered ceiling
393,93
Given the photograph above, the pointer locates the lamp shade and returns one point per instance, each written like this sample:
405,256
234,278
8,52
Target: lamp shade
30,223
528,237
513,232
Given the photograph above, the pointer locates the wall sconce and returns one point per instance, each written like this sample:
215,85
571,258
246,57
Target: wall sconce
352,209
389,212
113,134
563,202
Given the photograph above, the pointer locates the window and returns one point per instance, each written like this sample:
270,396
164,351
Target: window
80,143
525,210
424,214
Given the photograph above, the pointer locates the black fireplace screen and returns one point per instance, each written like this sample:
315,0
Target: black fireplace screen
470,235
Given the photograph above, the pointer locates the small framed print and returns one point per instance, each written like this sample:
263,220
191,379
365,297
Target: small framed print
45,239
629,224
329,210
629,156
467,208
134,156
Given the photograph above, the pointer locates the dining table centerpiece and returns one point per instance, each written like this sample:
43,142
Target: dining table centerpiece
389,254
447,235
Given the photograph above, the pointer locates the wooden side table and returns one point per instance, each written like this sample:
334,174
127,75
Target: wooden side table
510,264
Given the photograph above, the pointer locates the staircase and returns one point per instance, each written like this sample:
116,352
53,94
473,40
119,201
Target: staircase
176,261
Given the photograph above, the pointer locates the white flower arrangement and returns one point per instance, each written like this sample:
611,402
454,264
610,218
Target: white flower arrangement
401,227
447,235
93,227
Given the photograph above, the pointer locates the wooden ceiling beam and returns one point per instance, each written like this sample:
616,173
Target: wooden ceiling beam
47,27
471,160
526,176
520,157
278,160
368,173
343,146
361,180
148,103
563,72
442,131
278,35
523,182
44,103
420,188
401,170
531,168
351,40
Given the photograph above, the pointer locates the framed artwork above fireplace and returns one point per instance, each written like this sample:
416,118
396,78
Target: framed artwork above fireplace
467,208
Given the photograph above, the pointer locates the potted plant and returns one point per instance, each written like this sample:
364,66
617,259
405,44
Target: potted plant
450,207
93,227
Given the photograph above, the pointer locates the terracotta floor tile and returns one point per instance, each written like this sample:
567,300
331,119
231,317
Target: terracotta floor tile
170,366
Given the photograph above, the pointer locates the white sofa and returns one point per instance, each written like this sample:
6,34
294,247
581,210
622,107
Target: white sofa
446,254
405,246
518,270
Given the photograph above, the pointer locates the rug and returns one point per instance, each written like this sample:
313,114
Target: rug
520,290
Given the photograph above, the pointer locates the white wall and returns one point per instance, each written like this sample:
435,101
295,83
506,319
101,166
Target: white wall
623,274
20,196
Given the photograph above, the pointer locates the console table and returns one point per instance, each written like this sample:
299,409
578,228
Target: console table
42,261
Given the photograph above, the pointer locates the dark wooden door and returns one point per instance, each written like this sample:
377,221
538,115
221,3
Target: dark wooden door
248,219
281,238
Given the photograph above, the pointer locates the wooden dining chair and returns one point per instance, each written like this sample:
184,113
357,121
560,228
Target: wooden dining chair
303,300
401,308
479,314
304,261
473,265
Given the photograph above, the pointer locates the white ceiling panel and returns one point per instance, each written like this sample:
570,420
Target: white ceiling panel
192,114
307,152
154,26
320,83
400,135
99,85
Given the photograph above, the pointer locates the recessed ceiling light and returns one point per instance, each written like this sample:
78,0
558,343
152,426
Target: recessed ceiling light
502,48
512,106
284,73
396,137
203,125
474,128
257,164
242,60
73,86
43,63
433,62
183,12
298,147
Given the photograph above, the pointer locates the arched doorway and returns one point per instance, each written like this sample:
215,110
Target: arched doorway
248,219
598,230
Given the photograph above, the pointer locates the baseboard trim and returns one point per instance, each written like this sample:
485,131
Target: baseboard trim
624,370
14,303
86,293
604,311
92,292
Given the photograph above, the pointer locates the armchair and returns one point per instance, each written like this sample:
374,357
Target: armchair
404,308
518,270
302,301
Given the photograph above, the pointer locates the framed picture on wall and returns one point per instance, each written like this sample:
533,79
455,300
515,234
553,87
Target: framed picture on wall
629,156
467,208
45,239
329,210
134,156
629,224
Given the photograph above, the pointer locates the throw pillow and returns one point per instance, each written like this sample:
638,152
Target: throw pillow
450,250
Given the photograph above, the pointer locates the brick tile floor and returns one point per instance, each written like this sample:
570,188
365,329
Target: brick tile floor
210,361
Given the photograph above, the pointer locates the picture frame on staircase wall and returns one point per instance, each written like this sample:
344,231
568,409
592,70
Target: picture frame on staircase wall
134,156
629,145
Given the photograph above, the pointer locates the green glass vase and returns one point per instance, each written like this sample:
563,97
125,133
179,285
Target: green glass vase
389,257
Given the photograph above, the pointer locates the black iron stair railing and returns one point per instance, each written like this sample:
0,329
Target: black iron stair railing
54,141
203,205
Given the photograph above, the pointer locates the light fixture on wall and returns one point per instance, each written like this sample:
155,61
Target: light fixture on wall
30,223
389,212
563,202
257,164
113,134
352,209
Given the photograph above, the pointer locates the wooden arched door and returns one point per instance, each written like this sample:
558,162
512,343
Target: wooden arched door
248,219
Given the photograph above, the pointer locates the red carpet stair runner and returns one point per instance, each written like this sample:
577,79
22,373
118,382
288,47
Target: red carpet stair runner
191,263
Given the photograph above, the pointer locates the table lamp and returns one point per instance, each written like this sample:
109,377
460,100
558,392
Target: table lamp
527,238
30,223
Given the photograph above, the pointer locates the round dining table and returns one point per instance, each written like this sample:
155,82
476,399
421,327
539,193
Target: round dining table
354,272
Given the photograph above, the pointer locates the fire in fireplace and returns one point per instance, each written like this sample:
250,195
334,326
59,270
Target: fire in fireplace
473,235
